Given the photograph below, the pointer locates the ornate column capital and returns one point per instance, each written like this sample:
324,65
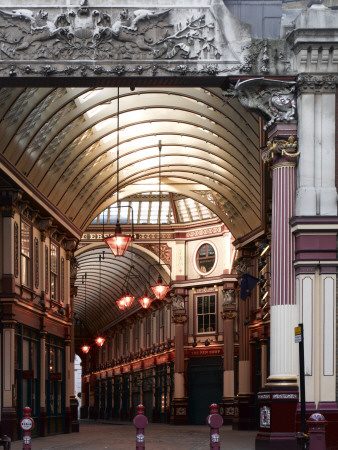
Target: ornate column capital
179,318
228,315
317,84
281,152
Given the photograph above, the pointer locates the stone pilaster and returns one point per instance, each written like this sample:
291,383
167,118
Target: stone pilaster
316,190
179,412
244,401
43,403
228,315
8,410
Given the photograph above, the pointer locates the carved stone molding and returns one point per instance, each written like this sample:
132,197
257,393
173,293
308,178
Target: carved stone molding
281,148
314,84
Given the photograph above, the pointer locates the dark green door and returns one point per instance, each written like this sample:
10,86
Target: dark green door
205,387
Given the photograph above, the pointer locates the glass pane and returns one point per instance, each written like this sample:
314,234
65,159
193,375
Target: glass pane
53,259
200,324
144,212
135,206
211,251
212,304
113,214
212,322
154,212
25,355
51,397
207,322
165,212
203,251
25,239
205,305
191,204
199,305
103,217
124,212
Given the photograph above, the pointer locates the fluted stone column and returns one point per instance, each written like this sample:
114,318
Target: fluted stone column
279,400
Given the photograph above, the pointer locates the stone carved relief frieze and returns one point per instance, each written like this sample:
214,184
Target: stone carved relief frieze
113,33
105,41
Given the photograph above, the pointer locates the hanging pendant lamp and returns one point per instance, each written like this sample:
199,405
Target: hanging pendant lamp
118,242
145,301
85,349
100,340
160,289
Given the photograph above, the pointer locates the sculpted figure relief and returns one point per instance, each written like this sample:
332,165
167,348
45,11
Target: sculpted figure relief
177,302
228,297
274,100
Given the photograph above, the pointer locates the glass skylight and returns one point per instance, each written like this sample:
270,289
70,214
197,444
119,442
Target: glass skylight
145,210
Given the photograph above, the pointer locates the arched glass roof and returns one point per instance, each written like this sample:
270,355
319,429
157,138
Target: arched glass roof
146,208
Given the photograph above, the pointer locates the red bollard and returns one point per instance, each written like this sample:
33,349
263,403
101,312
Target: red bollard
140,422
316,429
26,424
215,421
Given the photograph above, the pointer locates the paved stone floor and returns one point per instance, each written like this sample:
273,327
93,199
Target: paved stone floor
97,436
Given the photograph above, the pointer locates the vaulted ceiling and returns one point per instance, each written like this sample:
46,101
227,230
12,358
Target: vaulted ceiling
63,141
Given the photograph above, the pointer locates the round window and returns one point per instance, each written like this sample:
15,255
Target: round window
205,258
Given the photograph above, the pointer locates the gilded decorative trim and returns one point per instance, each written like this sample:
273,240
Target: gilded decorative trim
228,315
281,148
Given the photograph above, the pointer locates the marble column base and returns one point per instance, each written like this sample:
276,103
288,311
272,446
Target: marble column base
244,412
227,410
277,416
179,411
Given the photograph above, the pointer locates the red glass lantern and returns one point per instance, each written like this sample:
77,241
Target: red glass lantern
100,341
128,300
85,348
121,304
118,242
145,301
160,289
